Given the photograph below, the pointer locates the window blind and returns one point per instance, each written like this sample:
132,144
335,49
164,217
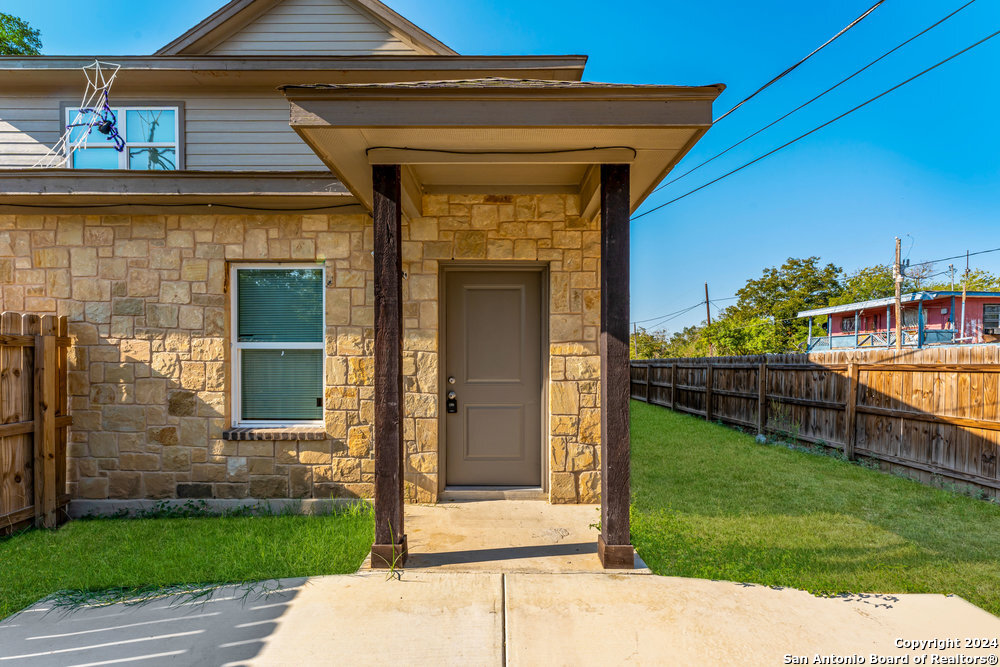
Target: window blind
280,305
282,385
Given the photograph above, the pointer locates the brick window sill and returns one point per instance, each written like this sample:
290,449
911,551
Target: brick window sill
284,434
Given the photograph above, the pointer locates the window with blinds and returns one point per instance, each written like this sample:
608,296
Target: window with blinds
278,331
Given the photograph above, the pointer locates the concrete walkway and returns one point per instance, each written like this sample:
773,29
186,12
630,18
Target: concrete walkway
497,583
508,536
478,618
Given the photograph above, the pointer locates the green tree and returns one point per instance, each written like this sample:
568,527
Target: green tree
732,336
18,38
781,293
870,282
979,280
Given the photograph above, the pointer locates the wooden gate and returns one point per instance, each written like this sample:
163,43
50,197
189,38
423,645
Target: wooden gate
34,420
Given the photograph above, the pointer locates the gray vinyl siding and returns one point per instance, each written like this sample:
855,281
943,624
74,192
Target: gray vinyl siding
248,132
236,132
29,126
321,27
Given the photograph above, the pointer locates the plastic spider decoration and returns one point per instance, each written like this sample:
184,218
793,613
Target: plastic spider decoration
104,121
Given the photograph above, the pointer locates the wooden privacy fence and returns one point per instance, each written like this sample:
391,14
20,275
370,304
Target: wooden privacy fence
34,420
933,410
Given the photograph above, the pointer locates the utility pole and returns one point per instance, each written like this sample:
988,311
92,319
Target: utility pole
708,315
965,287
635,338
897,273
951,270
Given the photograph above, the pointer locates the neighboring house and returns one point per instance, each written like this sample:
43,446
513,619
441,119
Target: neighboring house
929,318
242,328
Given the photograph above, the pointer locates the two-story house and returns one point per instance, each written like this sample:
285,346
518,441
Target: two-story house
329,256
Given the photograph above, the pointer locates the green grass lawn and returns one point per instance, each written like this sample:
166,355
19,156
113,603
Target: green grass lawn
143,554
710,502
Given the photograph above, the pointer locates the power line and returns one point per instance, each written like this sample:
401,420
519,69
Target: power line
675,316
819,127
807,103
676,312
800,62
944,259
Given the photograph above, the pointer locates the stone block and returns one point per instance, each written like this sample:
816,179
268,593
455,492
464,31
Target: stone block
271,486
359,442
176,458
139,461
158,485
563,488
590,487
181,404
161,316
564,398
175,292
123,418
590,426
124,484
300,482
194,490
92,488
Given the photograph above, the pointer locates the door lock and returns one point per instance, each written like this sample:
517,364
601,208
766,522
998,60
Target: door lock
451,405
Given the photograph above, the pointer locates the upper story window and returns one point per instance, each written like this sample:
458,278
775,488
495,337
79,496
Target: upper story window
847,324
150,136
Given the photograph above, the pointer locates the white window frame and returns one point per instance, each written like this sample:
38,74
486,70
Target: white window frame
237,347
121,113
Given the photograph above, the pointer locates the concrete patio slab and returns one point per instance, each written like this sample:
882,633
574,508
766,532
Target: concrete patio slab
666,620
374,619
478,618
504,536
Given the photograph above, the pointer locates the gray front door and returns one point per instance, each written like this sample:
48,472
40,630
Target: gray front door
493,340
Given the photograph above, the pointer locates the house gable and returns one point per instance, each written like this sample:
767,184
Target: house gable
305,27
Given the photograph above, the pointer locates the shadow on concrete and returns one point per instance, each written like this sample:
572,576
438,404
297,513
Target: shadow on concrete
444,558
230,626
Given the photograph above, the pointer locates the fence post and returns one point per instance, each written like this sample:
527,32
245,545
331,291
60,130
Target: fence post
708,392
850,420
673,386
646,395
762,397
45,405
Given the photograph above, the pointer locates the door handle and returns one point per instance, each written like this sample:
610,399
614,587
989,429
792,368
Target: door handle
451,404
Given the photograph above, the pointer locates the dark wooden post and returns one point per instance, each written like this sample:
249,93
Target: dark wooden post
46,402
762,397
850,414
389,549
708,392
646,376
614,546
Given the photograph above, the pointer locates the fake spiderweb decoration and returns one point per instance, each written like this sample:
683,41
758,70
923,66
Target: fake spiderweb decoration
94,117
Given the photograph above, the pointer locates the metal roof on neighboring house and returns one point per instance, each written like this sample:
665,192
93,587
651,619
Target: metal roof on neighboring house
911,297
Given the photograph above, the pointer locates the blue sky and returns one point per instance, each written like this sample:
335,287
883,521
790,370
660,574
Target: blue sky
922,163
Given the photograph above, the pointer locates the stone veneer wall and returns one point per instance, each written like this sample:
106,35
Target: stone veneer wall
148,304
548,229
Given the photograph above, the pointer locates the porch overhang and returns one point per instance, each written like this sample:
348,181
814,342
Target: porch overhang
500,136
77,190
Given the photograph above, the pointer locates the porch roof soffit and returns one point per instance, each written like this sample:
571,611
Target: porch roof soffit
501,135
